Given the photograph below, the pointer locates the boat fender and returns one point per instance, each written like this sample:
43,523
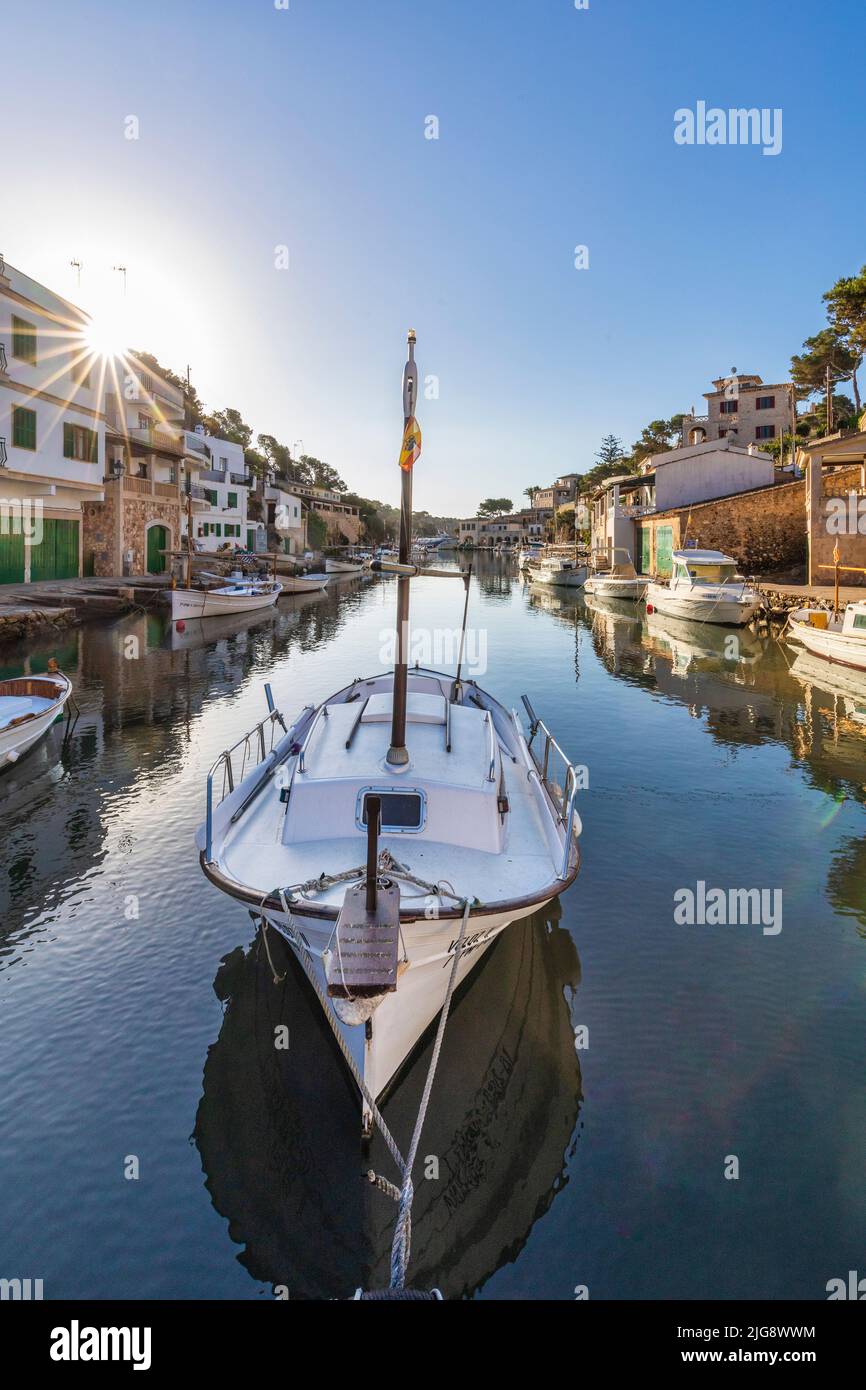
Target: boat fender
353,1012
649,608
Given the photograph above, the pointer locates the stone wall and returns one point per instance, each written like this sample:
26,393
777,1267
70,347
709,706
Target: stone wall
849,534
763,530
98,534
100,530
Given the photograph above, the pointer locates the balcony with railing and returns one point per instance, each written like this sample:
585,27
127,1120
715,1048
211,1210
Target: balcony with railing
195,444
157,441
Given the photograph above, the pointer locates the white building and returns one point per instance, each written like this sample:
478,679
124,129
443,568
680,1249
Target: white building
677,478
222,476
52,430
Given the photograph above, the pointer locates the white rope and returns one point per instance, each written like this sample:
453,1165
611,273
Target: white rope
403,1229
404,1195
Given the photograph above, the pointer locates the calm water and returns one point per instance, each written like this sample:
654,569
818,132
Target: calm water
151,1034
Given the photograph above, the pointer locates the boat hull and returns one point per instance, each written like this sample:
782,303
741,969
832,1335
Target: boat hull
832,646
726,612
303,584
343,567
560,579
401,1019
201,603
616,588
18,739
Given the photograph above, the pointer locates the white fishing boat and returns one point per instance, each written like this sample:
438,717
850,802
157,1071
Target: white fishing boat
344,566
614,576
392,832
29,705
304,583
561,572
837,637
238,595
704,587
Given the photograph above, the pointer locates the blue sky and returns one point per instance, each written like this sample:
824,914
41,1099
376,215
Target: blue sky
262,127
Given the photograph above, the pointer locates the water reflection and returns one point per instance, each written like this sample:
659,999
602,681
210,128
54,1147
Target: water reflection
278,1131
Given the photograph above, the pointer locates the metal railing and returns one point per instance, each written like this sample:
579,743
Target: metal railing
564,796
491,745
258,743
4,366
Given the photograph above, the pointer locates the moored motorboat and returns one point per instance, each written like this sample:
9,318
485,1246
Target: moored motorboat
560,571
837,637
704,587
29,705
390,866
614,576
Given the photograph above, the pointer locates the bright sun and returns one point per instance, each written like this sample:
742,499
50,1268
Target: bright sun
105,335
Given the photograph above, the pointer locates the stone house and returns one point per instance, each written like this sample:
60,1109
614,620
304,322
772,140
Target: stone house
835,469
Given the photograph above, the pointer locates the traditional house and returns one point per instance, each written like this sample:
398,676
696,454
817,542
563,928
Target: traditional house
52,431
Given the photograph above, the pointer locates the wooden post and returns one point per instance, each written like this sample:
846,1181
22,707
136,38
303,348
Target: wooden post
398,756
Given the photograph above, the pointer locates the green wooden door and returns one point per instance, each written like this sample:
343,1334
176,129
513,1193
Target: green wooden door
645,550
11,557
251,538
664,550
56,555
157,540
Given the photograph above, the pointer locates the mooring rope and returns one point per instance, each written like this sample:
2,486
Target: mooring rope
401,1244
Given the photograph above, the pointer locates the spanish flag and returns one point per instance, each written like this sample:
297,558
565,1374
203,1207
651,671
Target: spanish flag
411,449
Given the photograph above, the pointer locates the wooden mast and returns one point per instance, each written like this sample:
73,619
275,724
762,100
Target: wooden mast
398,755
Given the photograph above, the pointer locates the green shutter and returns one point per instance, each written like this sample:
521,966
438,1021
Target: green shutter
23,427
232,499
23,340
94,446
68,441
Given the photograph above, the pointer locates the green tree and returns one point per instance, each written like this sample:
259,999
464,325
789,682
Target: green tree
611,450
846,312
495,506
322,474
317,530
230,425
823,351
657,438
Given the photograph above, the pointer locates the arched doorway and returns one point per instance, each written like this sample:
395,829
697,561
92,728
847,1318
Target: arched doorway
158,540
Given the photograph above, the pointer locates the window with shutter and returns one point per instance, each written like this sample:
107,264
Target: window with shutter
23,340
23,427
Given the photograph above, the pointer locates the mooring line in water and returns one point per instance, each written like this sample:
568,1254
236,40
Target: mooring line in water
400,1248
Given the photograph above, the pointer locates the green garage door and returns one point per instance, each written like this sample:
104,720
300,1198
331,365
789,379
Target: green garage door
56,557
664,551
11,558
644,550
157,541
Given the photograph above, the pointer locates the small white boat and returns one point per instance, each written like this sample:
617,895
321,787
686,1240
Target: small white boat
238,595
29,706
839,638
704,587
353,566
391,833
304,583
615,576
561,572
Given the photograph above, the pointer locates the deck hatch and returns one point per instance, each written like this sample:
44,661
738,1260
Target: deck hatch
403,812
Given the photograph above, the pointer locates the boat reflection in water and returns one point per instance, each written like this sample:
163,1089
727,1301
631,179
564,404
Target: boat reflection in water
277,1129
